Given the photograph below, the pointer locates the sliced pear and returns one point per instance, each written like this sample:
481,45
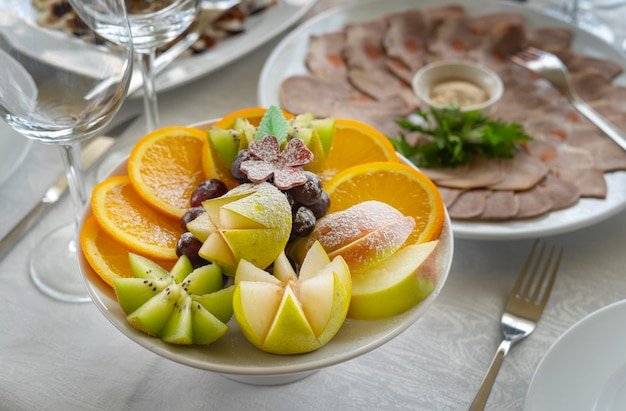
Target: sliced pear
316,303
255,305
251,222
290,332
201,227
216,248
289,314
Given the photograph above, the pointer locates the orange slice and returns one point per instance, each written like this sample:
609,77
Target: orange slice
106,256
355,143
397,184
126,217
165,167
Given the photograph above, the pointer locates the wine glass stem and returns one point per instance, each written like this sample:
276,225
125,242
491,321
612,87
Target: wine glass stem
146,65
570,9
75,180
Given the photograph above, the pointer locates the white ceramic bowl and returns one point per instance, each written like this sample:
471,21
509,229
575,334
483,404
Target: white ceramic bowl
444,71
235,358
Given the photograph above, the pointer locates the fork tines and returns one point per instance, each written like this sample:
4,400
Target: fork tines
529,282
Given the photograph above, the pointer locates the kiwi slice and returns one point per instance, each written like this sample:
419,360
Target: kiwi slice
163,304
207,328
178,328
132,293
152,316
203,280
143,267
219,303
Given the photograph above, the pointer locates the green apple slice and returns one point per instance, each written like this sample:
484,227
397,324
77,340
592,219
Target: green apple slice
396,284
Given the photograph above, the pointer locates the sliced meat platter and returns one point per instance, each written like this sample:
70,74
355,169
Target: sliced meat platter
364,70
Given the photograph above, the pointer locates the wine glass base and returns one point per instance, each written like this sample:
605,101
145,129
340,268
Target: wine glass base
54,266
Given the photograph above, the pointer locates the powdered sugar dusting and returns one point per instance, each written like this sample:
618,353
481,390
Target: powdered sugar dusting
286,166
340,228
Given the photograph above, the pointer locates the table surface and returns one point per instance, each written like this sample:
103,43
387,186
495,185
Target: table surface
58,356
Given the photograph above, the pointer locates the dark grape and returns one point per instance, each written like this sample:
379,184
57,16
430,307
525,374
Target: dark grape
289,198
190,215
321,206
235,168
206,190
189,245
309,192
303,222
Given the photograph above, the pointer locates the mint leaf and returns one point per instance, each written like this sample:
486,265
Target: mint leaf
274,124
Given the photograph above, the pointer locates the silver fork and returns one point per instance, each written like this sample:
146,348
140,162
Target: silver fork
551,68
522,312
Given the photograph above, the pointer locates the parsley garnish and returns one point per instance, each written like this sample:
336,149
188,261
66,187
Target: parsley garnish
457,137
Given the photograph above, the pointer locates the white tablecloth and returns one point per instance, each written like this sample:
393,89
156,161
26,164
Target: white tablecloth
57,356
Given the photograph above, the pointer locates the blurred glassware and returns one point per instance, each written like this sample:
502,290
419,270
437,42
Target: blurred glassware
584,14
155,23
53,94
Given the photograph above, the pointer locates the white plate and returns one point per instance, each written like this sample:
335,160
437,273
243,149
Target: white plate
287,59
259,29
585,369
13,149
236,358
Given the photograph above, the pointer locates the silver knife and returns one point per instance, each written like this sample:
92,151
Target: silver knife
91,154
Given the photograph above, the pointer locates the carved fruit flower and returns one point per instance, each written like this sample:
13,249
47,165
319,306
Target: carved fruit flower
286,166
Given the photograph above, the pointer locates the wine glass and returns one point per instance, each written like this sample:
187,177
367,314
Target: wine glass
583,14
154,23
59,89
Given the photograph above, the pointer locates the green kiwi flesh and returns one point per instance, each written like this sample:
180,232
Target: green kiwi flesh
143,267
219,303
203,280
152,316
132,293
163,305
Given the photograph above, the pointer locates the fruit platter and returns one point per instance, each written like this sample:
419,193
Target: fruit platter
264,246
